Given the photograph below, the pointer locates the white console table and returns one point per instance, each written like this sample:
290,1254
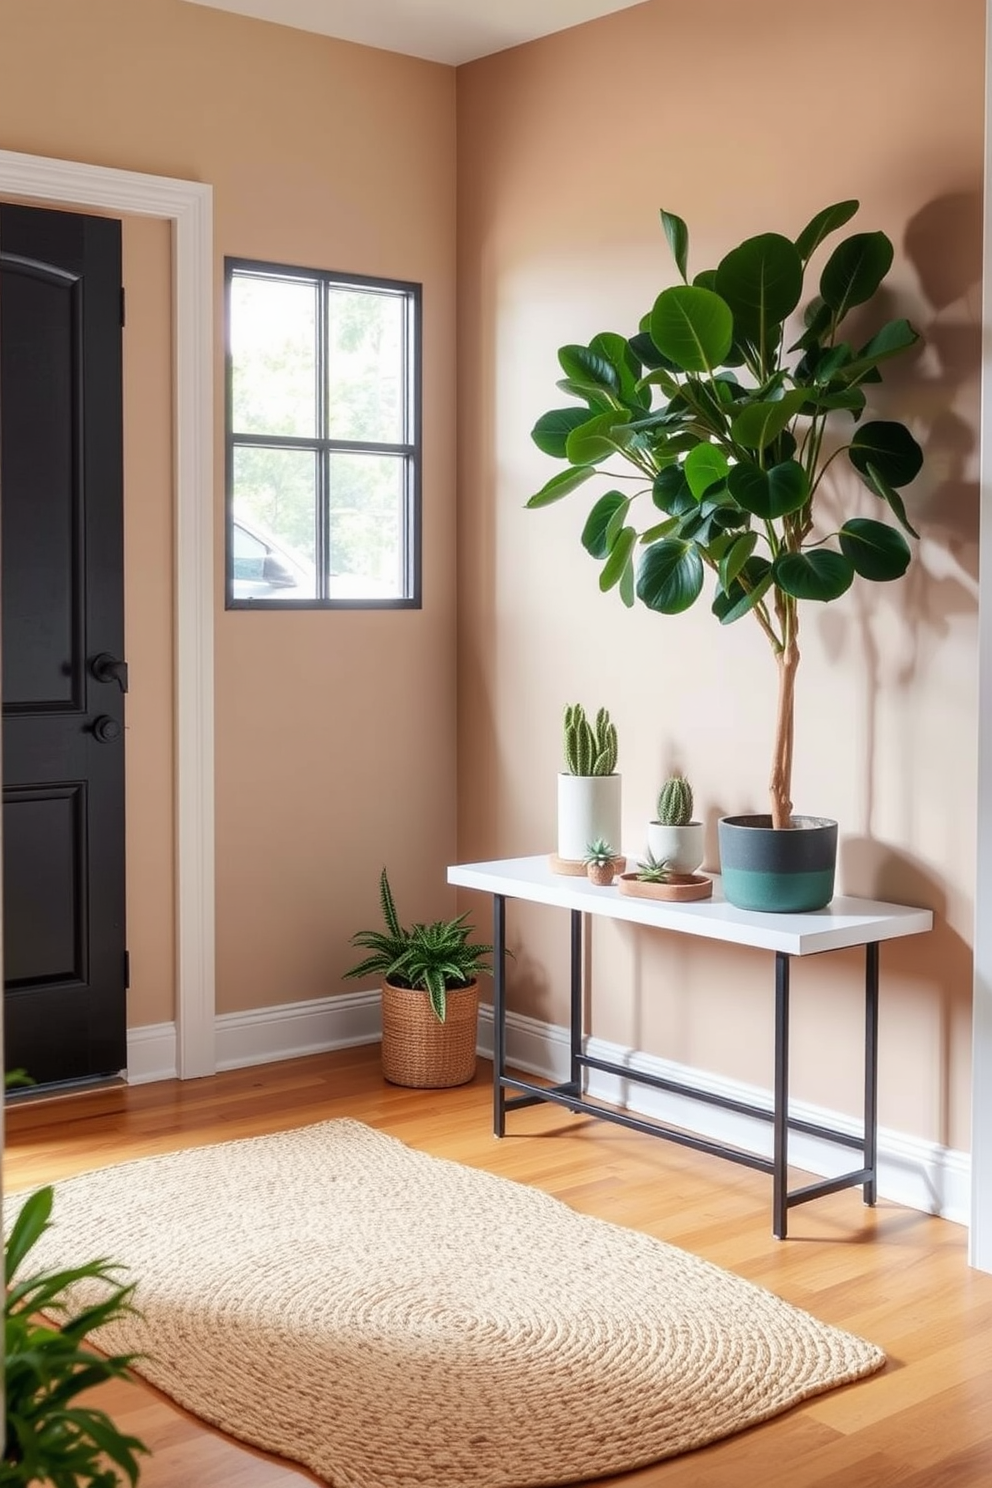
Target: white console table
845,922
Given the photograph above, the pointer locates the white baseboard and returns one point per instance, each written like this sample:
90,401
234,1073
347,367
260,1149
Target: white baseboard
911,1171
262,1035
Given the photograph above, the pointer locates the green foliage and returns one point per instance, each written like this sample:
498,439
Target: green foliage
730,432
675,802
589,749
426,957
600,852
50,1437
651,871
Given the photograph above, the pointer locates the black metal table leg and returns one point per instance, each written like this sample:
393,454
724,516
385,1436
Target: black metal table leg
871,1072
575,1019
780,1174
499,1014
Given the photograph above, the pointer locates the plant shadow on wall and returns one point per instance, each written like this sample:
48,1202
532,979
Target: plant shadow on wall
940,392
723,424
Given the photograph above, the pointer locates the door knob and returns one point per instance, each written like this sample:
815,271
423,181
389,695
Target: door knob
106,729
107,668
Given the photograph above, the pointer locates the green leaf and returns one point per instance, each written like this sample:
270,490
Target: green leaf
644,349
693,327
877,551
560,485
670,576
584,365
881,487
735,557
889,448
769,493
618,560
670,490
822,225
552,429
748,589
627,586
593,440
703,467
895,337
854,271
817,318
616,350
661,529
678,240
589,392
761,281
594,532
819,574
758,424
29,1225
706,279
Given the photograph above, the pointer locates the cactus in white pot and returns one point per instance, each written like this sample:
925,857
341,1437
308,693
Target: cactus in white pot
588,787
674,837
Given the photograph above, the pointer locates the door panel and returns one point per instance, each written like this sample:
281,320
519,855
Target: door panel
61,505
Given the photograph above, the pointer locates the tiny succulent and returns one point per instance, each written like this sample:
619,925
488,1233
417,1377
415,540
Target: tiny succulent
675,802
649,870
600,852
589,749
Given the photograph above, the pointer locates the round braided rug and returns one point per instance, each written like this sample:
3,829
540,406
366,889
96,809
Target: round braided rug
390,1319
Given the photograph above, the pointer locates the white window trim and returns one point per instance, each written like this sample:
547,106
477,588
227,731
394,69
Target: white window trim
188,205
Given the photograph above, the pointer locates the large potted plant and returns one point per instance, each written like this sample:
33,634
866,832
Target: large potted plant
728,424
430,995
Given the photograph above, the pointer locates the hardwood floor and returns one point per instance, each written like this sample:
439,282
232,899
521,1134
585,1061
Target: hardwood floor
895,1276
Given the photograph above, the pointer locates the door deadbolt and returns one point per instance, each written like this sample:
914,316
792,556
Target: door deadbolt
106,729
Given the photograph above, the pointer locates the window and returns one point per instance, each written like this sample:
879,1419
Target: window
323,439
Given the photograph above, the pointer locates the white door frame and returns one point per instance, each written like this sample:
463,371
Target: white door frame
189,207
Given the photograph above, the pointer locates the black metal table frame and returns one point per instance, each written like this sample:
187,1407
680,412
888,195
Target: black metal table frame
570,1094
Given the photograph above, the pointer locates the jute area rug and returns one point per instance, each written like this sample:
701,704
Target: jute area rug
390,1319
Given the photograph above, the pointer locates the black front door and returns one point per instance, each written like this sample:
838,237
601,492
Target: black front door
61,505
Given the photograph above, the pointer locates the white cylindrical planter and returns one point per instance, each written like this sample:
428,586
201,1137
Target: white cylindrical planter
588,807
682,848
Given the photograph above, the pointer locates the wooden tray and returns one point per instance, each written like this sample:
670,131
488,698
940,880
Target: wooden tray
680,889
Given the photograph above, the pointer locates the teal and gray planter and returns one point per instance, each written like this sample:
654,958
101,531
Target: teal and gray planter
785,872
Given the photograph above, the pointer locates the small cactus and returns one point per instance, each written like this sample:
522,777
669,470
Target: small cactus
675,802
600,852
588,750
651,871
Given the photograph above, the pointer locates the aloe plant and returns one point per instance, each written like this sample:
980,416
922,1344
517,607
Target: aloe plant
650,870
432,958
733,460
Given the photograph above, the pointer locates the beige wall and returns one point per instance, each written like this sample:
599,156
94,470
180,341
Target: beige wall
335,732
740,118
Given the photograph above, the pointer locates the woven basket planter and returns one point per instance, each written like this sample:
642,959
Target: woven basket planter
419,1051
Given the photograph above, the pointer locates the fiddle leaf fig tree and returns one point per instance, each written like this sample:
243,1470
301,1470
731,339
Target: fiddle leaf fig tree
720,428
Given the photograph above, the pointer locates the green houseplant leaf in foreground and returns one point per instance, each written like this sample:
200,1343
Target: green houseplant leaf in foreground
731,432
50,1436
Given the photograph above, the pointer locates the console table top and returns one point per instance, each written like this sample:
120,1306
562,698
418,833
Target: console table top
844,922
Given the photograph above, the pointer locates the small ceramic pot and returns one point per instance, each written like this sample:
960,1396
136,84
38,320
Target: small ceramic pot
682,848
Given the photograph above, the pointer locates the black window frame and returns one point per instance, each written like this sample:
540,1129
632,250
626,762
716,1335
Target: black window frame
323,446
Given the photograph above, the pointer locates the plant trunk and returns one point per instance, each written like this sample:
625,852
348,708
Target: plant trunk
780,785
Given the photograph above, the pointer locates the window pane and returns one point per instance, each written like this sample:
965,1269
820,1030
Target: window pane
366,526
273,356
274,524
365,366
